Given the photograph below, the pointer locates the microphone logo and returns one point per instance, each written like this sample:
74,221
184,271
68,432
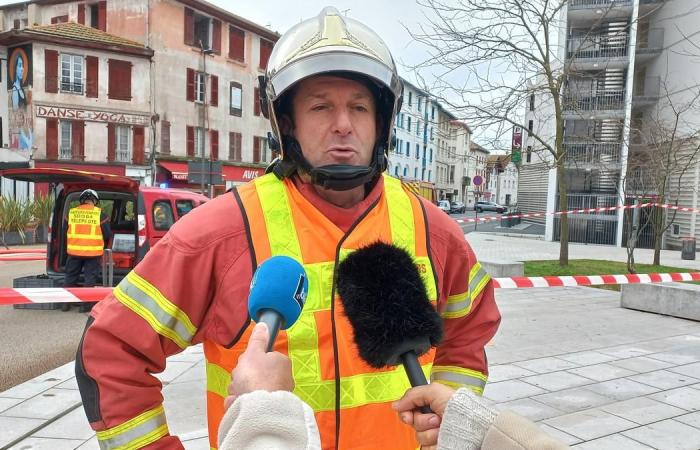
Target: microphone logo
300,294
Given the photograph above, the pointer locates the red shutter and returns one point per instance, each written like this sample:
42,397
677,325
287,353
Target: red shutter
214,143
119,79
236,43
78,138
102,16
139,134
265,50
51,71
256,101
165,137
51,138
111,142
190,85
256,149
189,26
81,13
190,142
214,101
92,76
216,36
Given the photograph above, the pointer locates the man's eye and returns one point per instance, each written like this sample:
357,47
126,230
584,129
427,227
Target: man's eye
361,108
319,107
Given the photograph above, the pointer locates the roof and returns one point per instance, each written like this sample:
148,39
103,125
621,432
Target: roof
459,123
74,34
72,30
501,161
473,146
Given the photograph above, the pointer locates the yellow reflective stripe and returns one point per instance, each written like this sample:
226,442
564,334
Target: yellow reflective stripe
457,377
146,300
136,433
403,229
319,294
428,277
459,305
475,389
278,217
85,247
218,379
82,236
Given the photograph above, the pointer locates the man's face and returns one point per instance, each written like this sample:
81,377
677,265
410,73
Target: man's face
335,121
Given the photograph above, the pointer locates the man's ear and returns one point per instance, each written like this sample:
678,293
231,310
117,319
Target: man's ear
286,126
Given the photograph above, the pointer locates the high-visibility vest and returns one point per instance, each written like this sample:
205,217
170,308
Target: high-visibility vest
354,404
84,237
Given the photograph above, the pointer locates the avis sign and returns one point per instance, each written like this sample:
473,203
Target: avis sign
90,115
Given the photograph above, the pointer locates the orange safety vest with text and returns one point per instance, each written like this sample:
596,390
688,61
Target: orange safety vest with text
352,400
84,237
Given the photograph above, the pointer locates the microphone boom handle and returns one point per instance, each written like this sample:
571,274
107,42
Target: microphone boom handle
273,320
415,373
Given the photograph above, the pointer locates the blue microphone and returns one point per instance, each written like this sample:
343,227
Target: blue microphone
277,294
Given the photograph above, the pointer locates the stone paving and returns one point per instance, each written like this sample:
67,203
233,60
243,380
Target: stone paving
589,372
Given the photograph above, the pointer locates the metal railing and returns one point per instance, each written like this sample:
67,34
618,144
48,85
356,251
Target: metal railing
593,228
574,4
592,153
65,153
594,101
597,46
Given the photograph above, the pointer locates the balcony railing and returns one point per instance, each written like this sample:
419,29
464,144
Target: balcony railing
595,153
597,46
594,101
575,4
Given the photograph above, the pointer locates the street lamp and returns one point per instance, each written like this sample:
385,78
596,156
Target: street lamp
205,117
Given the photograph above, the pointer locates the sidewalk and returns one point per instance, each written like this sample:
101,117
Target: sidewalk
593,374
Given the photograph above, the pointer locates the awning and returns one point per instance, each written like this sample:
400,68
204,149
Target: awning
178,170
239,174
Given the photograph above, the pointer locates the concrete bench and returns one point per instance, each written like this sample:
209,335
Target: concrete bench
670,299
501,269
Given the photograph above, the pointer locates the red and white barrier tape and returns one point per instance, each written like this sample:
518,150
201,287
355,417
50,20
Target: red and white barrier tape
13,296
23,255
580,211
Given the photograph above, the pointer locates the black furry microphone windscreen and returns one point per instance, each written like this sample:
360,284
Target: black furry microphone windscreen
386,302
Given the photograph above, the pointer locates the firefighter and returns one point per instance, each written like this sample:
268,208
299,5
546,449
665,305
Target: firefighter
87,235
331,92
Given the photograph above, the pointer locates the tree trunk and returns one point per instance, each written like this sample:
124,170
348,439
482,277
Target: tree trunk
658,233
563,218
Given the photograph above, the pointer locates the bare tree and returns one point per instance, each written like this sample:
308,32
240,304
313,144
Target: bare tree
488,57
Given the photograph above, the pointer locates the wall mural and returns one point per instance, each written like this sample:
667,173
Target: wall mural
19,82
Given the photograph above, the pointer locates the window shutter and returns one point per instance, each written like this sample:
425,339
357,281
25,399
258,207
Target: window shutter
190,141
119,79
190,85
216,36
78,138
256,149
81,13
214,101
92,76
214,143
138,145
102,16
189,26
52,139
256,101
51,71
165,137
111,142
265,50
236,43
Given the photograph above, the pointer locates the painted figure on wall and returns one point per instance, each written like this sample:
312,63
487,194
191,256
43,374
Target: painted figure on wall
19,76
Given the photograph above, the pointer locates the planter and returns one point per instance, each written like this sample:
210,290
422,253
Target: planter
13,238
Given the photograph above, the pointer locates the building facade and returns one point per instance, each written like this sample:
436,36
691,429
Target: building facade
477,168
502,180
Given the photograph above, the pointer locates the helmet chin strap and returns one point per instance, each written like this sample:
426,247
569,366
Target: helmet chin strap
336,177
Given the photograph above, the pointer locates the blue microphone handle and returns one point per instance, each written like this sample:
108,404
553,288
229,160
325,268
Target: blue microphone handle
273,320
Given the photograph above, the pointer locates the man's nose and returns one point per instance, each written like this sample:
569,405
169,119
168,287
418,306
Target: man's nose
342,123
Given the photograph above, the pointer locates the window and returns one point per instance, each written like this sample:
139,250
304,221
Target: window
183,207
417,151
410,102
532,102
265,50
529,126
431,155
202,31
119,79
676,229
66,150
123,138
236,43
162,215
199,142
409,123
418,127
396,171
59,19
432,115
71,73
415,172
256,101
260,149
199,87
98,15
236,105
431,133
430,175
420,103
528,154
405,171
